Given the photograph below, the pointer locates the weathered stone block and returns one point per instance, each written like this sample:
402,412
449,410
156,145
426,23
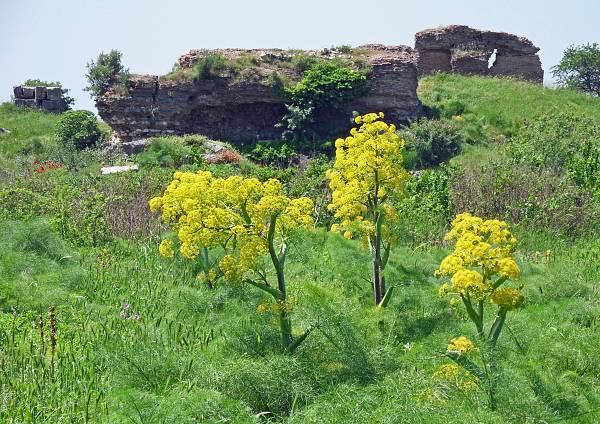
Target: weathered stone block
469,64
25,102
40,93
53,93
526,67
18,92
52,105
134,147
431,61
471,49
28,92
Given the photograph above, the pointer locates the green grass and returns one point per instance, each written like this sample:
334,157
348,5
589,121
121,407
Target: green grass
31,131
502,103
205,355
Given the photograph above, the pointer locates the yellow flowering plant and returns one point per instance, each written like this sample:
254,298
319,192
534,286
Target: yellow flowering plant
478,270
366,178
243,219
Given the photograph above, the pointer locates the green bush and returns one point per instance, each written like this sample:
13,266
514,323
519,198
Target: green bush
280,156
532,197
425,210
106,71
209,66
79,128
74,205
214,65
326,84
553,139
584,166
166,152
432,142
302,62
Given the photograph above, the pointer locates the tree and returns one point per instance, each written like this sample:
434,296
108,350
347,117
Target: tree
366,179
579,69
104,72
236,229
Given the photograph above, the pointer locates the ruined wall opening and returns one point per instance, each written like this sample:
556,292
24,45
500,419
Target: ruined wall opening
492,59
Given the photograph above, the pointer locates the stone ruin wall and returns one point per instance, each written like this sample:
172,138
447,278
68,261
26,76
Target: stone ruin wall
50,99
464,50
246,107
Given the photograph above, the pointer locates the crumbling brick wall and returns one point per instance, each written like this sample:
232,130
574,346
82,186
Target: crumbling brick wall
50,99
464,50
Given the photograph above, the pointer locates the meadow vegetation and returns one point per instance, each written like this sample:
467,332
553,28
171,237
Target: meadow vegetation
109,314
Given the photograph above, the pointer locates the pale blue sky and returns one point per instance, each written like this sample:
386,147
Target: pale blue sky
54,39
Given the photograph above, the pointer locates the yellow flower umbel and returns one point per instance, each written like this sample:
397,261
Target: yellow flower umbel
365,180
481,263
462,346
242,217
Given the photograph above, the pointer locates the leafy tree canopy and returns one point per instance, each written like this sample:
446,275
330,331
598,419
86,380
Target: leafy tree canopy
580,69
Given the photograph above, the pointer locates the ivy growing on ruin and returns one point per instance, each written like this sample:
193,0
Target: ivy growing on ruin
325,85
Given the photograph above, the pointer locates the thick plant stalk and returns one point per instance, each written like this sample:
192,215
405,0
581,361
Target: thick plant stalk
285,323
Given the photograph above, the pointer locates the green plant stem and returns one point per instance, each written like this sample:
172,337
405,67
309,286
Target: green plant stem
497,326
475,317
285,323
378,219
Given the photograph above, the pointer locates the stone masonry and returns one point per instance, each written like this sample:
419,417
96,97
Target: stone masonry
50,99
244,106
464,50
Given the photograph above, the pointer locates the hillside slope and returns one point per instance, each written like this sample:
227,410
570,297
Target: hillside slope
140,339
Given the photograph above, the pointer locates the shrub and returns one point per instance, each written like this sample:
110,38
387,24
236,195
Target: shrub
79,128
365,180
432,142
302,62
280,156
552,140
74,205
584,166
324,86
524,195
166,152
213,65
424,211
106,71
209,66
309,180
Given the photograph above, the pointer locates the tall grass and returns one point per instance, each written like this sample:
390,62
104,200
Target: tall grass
138,339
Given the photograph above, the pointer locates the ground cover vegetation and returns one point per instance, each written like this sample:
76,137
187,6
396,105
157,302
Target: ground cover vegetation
250,294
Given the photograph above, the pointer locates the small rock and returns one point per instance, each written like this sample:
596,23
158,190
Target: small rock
4,131
134,147
114,169
211,146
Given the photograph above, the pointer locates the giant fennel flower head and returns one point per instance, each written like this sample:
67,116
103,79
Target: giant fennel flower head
482,260
234,213
368,166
